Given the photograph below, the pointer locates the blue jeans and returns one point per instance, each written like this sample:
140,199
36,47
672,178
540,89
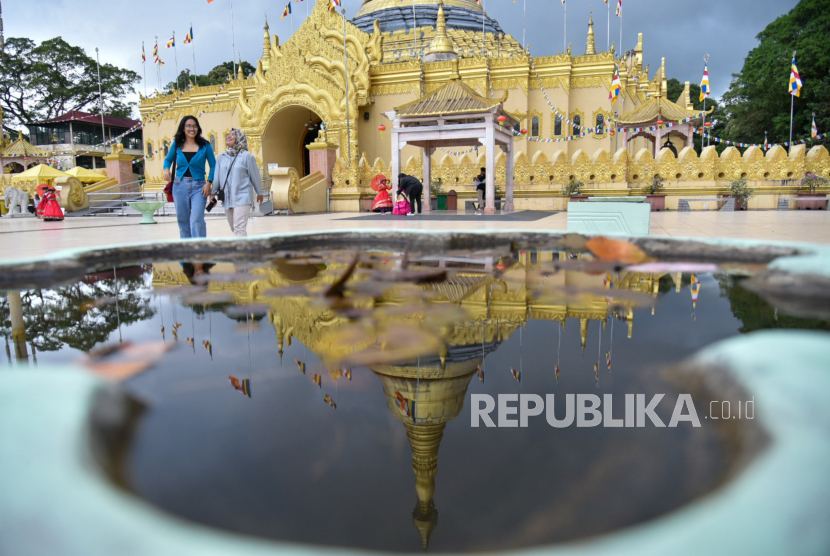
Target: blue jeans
190,207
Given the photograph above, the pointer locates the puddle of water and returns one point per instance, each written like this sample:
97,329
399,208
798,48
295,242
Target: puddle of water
324,399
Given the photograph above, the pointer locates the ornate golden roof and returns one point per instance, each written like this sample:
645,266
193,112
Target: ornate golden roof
453,98
21,147
656,109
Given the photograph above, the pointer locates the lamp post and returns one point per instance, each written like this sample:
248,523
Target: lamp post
346,74
100,99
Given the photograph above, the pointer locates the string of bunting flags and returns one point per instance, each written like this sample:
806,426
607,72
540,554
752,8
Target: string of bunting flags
803,141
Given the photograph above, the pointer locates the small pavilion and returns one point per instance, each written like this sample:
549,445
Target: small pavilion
455,116
656,112
21,153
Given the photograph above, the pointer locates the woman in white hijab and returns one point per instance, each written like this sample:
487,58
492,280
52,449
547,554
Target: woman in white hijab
238,176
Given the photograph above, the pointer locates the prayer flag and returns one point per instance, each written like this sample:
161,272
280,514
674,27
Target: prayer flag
171,42
156,49
814,129
286,11
795,80
619,9
143,56
243,386
300,364
704,83
329,401
334,4
608,360
405,406
556,372
189,36
317,379
695,290
596,372
516,374
480,373
616,90
346,372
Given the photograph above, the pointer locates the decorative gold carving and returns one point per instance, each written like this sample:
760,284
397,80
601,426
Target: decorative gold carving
586,82
394,89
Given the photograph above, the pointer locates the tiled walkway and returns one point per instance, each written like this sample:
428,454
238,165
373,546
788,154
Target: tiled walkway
25,237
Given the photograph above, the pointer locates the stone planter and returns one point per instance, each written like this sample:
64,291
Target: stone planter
657,202
810,205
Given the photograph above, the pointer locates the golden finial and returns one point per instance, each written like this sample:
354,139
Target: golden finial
441,47
266,47
591,46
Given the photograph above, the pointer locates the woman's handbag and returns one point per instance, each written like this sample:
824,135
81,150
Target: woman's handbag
168,189
221,194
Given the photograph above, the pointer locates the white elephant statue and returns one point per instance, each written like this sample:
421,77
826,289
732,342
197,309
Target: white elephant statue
16,198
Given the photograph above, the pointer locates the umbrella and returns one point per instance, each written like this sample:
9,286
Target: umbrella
86,176
41,173
377,184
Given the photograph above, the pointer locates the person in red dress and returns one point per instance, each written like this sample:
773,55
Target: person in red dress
383,202
50,207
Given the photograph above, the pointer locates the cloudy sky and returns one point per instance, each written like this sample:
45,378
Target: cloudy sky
681,31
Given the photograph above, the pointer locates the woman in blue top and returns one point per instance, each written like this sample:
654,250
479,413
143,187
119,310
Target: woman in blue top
190,190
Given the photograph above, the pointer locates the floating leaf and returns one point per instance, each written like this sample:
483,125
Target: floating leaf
615,250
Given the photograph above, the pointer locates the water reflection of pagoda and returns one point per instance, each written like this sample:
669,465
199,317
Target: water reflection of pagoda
434,387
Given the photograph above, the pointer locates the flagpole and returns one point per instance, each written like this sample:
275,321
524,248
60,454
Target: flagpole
792,108
483,46
524,29
346,75
608,19
176,59
233,43
705,135
414,29
144,63
158,66
193,46
565,37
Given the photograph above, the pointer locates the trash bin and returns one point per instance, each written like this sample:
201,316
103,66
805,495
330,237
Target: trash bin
452,200
442,201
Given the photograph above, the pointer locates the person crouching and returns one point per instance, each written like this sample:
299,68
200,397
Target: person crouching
413,189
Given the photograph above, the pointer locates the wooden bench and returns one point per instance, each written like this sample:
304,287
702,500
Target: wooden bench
784,202
729,203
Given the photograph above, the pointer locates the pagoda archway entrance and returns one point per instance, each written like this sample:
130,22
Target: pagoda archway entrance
287,133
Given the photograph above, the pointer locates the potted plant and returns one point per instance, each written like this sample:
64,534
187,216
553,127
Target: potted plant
573,189
810,184
741,192
436,193
653,195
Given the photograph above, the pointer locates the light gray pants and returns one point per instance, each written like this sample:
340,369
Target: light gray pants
238,219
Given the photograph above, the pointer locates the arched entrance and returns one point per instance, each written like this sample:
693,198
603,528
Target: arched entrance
286,135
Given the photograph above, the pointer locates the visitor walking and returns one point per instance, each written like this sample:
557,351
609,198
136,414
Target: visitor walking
237,178
413,189
187,157
480,181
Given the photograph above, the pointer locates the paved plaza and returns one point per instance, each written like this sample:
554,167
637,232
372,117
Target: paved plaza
29,237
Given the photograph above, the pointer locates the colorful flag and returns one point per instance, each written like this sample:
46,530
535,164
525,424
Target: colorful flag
243,385
317,379
619,9
189,36
616,89
596,372
286,11
556,372
814,129
333,4
480,373
156,49
329,401
478,2
172,42
208,347
345,372
405,406
300,364
704,83
608,360
795,79
695,290
516,374
144,59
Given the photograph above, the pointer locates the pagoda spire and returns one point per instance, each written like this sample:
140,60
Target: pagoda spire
441,47
591,48
266,47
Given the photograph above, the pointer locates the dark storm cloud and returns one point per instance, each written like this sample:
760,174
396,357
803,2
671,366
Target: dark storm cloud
682,32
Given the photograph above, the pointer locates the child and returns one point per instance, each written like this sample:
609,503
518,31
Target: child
402,207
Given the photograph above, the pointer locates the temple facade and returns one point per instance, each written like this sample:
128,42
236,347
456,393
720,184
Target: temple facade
313,105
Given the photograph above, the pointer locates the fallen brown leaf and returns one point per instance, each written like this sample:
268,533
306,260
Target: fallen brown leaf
606,249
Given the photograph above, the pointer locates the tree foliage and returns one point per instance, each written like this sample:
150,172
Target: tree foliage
43,81
216,76
757,99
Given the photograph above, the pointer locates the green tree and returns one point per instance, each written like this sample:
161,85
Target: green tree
42,81
717,116
216,76
757,99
